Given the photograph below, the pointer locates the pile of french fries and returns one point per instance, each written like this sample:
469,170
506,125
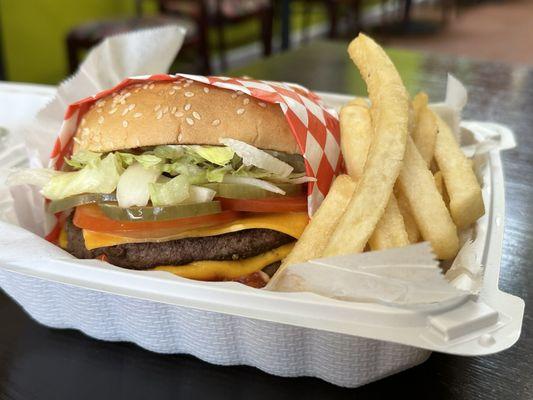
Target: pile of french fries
407,178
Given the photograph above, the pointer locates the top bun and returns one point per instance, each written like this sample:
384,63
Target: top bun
181,112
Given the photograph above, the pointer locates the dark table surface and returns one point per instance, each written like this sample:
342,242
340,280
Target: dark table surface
41,363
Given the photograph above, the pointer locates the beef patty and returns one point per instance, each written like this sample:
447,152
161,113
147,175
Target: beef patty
229,246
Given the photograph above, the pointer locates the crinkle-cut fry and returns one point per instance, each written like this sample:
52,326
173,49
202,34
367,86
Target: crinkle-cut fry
315,236
413,233
462,186
389,114
425,128
427,206
356,136
390,231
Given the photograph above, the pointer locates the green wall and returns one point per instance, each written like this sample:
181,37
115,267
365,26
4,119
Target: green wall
34,31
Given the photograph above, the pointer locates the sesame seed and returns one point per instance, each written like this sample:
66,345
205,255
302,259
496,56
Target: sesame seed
176,87
239,93
206,90
165,110
157,107
151,86
190,121
112,111
125,124
100,103
173,110
172,92
246,101
101,120
127,95
145,86
99,110
240,111
83,121
189,94
234,95
131,107
137,142
196,115
187,107
180,137
178,114
159,115
137,115
261,104
126,110
188,81
215,122
137,90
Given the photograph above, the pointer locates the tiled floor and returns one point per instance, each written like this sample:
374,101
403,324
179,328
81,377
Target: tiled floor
499,30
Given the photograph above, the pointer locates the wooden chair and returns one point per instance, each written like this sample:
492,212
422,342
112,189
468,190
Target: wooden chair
196,15
333,8
220,14
87,35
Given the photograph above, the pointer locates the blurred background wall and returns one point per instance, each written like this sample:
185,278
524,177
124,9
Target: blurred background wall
33,33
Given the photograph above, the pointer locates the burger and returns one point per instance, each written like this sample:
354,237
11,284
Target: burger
178,176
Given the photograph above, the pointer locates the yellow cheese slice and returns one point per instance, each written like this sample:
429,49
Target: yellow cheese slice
220,270
291,224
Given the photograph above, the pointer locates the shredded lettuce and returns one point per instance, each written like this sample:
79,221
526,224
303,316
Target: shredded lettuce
218,155
171,152
146,160
166,174
99,177
174,191
83,158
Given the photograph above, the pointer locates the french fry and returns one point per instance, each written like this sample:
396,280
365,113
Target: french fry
466,201
315,236
439,182
409,221
356,136
426,204
390,231
389,114
425,128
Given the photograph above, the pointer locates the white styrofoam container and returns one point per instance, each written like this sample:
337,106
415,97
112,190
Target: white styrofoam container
287,334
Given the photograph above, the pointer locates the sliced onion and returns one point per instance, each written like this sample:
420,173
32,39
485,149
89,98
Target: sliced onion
253,182
199,194
133,185
302,179
253,156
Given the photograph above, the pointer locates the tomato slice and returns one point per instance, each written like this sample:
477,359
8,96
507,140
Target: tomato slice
91,217
277,205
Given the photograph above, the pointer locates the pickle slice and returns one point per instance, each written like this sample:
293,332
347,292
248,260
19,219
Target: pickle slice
238,191
56,206
159,213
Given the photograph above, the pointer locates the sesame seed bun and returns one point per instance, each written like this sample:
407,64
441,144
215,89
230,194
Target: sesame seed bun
181,112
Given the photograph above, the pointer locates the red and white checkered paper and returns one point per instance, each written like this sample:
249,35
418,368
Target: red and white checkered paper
315,127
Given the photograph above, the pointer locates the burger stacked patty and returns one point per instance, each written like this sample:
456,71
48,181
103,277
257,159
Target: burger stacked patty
229,246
